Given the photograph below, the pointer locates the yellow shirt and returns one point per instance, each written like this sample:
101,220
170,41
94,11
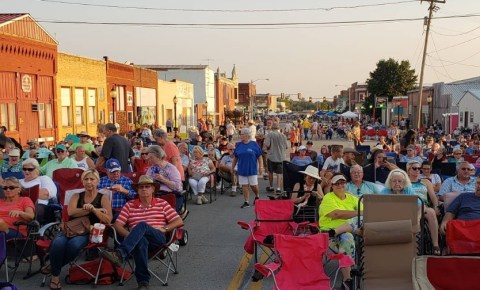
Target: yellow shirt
332,202
306,124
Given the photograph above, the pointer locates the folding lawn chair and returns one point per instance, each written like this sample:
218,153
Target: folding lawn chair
446,273
389,241
166,254
271,217
93,273
3,254
299,263
463,237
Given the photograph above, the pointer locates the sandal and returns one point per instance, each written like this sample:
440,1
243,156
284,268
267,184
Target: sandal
57,285
46,270
437,251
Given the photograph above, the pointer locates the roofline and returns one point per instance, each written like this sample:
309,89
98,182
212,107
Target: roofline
33,19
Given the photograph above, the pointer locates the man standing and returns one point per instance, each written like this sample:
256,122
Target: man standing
171,150
149,220
230,128
116,146
169,126
276,145
261,135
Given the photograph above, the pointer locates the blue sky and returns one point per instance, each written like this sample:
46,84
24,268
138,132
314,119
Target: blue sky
310,59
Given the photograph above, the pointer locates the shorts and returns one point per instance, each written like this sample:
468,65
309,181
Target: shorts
275,167
248,180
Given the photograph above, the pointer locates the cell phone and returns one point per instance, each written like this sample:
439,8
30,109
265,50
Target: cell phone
384,159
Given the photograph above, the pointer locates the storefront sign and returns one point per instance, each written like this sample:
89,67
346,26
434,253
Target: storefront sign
26,84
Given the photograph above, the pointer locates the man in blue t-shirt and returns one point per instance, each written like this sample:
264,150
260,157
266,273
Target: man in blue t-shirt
465,207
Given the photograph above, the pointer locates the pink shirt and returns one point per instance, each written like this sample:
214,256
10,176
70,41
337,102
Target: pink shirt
21,204
171,151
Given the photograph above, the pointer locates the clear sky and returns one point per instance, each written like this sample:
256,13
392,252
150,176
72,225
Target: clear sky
311,59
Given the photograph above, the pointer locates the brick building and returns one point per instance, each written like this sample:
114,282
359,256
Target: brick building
28,66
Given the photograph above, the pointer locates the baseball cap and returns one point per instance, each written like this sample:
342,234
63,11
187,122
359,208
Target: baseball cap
113,165
60,147
302,147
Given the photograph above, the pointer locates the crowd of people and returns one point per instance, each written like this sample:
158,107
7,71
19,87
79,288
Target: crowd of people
334,178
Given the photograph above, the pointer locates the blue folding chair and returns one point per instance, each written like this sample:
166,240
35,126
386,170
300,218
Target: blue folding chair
18,175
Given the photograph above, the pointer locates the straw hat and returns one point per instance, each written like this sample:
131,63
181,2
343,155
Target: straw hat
145,179
311,171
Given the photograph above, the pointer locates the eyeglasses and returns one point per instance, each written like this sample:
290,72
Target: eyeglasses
415,168
144,153
60,151
426,168
457,153
340,183
9,187
465,169
144,186
358,192
28,169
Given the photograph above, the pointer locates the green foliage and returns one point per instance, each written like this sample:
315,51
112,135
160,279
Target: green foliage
298,106
391,78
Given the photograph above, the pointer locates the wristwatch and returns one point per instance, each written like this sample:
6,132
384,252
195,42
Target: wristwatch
166,229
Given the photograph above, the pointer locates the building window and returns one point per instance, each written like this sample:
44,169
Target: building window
12,117
461,116
3,115
130,117
120,98
41,116
79,107
48,116
471,117
65,100
92,108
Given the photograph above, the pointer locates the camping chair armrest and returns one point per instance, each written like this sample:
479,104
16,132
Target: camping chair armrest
31,224
46,227
295,226
247,226
344,261
267,269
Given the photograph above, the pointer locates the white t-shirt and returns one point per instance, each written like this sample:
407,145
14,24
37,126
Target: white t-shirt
333,165
44,182
253,131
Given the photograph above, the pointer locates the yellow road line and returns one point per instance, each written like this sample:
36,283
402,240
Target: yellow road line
242,268
258,285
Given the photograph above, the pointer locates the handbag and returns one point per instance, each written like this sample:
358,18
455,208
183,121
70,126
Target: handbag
76,227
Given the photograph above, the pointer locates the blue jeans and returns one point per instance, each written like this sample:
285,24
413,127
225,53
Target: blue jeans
64,250
137,242
13,234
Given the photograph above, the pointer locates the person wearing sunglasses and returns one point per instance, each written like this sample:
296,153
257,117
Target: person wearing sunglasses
13,166
62,161
31,171
338,211
14,208
424,189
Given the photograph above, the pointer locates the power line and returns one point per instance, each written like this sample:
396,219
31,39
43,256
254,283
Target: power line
284,24
231,10
436,51
459,34
460,62
458,44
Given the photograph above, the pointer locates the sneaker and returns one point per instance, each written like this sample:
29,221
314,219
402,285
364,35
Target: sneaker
245,204
269,188
204,199
348,284
113,256
199,200
234,188
219,186
256,198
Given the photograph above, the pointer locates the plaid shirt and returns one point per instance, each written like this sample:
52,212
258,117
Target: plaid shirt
118,199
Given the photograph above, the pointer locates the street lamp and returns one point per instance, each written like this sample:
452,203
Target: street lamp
113,95
175,101
430,114
206,110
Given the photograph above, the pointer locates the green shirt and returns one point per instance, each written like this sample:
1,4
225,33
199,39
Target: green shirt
53,165
330,203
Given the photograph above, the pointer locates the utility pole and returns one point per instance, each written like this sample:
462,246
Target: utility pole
431,8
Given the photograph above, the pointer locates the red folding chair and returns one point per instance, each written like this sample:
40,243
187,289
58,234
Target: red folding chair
463,237
67,179
134,176
299,263
271,217
166,254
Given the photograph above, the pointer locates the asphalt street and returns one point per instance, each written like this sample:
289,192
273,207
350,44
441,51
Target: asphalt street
214,257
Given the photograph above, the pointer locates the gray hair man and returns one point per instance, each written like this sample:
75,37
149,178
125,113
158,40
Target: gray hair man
276,145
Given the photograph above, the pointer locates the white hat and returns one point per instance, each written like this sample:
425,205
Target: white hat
311,171
302,147
336,178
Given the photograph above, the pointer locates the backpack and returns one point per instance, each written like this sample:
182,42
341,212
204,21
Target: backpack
107,276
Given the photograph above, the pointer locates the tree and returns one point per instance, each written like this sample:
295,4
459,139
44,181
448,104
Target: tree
391,78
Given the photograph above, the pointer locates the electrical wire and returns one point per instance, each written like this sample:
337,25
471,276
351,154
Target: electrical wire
459,34
458,44
231,10
280,24
436,51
